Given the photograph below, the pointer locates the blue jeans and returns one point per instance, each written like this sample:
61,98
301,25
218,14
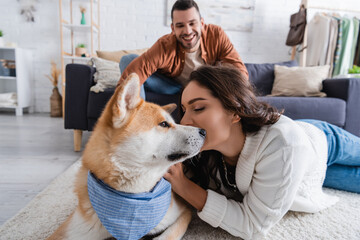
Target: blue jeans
343,163
157,82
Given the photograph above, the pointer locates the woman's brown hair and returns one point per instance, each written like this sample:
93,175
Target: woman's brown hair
236,95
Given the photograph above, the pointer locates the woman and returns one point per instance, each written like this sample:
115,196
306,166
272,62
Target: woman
257,164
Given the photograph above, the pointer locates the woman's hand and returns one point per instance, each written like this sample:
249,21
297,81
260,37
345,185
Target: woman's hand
185,188
176,177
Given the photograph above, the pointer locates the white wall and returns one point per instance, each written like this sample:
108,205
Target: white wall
42,37
138,24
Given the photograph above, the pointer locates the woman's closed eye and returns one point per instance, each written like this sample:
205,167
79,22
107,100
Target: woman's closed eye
199,109
193,108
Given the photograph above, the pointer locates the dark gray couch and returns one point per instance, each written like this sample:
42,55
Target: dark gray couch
341,106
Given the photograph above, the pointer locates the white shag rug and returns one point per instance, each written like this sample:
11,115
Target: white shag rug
50,208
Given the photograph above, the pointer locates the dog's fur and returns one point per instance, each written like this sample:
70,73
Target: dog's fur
131,148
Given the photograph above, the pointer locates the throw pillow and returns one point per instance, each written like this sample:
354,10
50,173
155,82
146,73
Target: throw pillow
117,55
106,76
262,76
299,81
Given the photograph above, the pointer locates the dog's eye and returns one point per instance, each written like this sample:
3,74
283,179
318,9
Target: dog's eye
164,124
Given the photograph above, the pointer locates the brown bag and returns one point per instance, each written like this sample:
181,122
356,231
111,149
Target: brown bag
297,27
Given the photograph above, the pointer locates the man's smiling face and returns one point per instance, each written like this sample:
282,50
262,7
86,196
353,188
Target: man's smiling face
186,26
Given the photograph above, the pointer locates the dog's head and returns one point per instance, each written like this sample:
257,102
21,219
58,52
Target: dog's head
134,137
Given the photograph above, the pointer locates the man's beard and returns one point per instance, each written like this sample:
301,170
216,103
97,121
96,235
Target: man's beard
186,46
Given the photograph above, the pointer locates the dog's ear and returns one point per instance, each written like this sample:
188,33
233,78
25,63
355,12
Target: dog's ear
131,94
169,107
128,98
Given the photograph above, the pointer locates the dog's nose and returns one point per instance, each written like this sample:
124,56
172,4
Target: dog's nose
202,133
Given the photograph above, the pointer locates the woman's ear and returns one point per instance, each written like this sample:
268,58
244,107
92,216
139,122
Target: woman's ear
236,118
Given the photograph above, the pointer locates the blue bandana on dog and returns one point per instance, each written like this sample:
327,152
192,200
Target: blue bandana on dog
129,215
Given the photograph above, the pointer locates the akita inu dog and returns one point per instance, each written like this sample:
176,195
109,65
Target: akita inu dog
131,148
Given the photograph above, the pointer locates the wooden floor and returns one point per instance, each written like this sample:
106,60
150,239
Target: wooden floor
34,149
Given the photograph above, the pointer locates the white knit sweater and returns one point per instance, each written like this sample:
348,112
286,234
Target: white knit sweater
282,167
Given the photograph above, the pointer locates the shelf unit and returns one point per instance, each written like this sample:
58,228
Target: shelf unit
21,83
69,28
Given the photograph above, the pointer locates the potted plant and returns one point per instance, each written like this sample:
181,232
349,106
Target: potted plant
354,71
80,50
55,98
1,39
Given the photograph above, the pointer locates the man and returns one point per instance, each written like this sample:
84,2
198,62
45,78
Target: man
166,66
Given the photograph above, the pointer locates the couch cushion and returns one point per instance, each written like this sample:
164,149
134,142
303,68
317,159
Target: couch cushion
262,75
117,55
299,81
107,74
331,110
